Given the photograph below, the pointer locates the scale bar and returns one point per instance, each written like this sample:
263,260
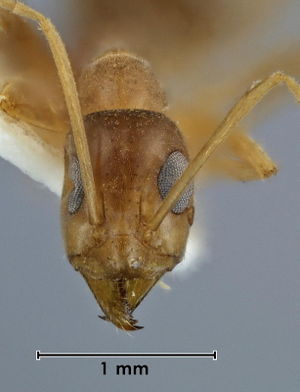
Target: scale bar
40,355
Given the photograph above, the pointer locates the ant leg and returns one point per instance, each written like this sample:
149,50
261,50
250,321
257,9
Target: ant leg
257,163
237,170
250,162
241,158
252,97
29,89
72,101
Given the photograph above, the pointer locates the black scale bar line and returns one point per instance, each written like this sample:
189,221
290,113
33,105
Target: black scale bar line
40,355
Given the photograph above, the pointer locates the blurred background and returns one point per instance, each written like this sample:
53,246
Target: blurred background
243,297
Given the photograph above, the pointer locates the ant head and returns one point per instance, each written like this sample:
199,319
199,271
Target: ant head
137,156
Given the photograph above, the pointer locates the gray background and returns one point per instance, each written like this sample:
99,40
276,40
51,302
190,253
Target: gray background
244,302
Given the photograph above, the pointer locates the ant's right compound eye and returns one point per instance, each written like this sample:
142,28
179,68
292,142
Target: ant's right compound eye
77,194
169,174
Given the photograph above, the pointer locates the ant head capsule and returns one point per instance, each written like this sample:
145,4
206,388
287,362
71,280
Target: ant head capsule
137,155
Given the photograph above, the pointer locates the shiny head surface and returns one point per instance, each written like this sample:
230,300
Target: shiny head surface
122,259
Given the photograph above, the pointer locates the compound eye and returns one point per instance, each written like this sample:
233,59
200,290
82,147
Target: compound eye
77,194
169,174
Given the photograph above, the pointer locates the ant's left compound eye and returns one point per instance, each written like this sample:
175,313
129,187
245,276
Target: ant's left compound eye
77,194
169,174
